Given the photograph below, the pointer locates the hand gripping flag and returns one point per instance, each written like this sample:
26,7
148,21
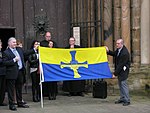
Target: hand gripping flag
73,64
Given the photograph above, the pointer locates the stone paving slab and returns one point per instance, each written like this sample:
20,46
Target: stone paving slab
86,104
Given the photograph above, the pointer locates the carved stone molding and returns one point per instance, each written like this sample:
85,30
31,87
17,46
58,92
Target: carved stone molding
41,24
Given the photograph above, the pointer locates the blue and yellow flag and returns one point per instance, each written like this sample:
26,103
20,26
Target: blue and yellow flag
73,64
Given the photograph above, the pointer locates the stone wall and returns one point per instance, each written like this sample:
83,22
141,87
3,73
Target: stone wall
138,79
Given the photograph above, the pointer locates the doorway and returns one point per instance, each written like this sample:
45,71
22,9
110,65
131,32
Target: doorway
5,34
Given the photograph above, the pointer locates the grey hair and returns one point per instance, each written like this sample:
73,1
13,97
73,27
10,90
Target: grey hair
11,38
121,40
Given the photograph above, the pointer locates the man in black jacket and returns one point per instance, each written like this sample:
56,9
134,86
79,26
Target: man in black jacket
15,67
2,78
122,65
47,85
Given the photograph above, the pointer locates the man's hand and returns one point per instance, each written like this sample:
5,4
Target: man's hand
113,76
71,46
36,47
17,58
106,48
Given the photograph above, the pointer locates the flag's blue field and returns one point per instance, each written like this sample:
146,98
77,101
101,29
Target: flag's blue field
73,64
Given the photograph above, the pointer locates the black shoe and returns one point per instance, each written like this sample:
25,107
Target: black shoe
3,104
23,106
119,101
81,94
12,107
24,102
35,100
54,98
126,103
38,99
15,103
50,98
69,95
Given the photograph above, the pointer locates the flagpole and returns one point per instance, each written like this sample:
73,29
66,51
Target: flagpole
41,93
41,79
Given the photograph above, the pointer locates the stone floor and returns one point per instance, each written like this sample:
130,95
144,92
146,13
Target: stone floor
140,103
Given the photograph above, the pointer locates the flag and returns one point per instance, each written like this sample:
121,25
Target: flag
73,64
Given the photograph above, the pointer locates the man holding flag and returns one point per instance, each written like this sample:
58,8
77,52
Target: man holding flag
122,65
74,87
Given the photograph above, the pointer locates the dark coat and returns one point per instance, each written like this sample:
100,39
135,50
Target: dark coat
33,61
44,43
2,66
122,63
74,86
12,67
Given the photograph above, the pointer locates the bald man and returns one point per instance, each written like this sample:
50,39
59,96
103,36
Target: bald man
122,65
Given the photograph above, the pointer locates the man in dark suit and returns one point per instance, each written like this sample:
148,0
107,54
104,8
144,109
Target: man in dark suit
122,65
44,43
74,87
47,85
2,78
15,67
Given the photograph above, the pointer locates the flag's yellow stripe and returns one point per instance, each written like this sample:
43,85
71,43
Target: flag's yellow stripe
55,55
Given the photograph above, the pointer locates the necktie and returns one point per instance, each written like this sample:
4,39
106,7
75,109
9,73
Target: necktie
118,52
17,54
0,54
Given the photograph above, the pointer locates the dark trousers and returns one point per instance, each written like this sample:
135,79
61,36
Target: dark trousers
35,85
52,89
2,88
15,85
18,85
10,84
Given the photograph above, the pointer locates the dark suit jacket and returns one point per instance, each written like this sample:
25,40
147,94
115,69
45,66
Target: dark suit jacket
44,43
12,67
122,63
2,66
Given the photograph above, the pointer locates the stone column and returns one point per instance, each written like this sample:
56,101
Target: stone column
108,26
135,23
117,19
88,20
92,34
145,32
125,22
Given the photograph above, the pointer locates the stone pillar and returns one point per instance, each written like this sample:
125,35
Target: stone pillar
99,28
125,22
135,23
145,32
89,19
117,19
108,26
92,31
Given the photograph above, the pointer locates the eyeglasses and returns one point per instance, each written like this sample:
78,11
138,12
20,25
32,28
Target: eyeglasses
71,40
47,36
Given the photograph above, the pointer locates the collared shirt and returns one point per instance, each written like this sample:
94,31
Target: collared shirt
15,52
119,51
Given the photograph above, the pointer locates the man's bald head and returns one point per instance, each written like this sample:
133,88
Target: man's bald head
47,36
